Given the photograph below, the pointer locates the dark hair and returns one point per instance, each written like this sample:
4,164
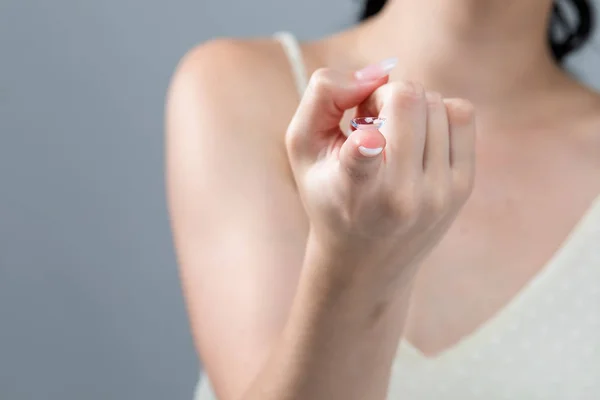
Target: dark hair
564,36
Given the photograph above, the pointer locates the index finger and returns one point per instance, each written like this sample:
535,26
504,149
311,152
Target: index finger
328,95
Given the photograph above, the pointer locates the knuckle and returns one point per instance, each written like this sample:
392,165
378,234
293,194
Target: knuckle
292,141
294,138
463,186
321,81
407,205
346,219
387,200
460,111
405,94
434,99
439,200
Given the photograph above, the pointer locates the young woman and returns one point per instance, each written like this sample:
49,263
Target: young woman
379,265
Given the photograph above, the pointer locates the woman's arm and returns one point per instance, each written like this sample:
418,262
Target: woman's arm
240,233
238,225
274,316
341,335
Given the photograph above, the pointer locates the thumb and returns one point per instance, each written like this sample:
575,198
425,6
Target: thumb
361,155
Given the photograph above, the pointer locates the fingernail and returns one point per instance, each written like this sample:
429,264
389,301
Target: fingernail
376,71
367,152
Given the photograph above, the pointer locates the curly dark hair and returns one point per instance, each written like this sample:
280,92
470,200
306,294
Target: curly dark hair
570,36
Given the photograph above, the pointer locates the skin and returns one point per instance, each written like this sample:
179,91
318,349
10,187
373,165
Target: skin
267,292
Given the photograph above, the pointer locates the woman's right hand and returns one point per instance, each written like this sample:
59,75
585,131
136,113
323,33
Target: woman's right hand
387,196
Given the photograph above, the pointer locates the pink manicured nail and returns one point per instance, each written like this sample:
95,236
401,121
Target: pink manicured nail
376,71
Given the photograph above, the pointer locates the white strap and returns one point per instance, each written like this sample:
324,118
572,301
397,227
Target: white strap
292,50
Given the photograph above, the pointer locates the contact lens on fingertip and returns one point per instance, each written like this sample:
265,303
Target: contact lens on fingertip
367,123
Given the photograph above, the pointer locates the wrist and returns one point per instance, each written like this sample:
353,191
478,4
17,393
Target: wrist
360,257
347,274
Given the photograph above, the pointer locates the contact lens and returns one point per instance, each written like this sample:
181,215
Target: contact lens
367,123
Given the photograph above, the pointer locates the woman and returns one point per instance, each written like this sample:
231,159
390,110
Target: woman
377,266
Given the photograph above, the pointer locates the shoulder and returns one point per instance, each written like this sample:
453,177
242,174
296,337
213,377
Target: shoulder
236,80
227,109
231,61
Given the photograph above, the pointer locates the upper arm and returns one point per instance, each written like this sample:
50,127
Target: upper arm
238,225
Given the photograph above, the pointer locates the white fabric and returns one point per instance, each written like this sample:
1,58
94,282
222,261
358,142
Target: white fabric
291,47
544,345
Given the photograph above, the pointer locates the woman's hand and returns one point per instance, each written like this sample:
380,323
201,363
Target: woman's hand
386,195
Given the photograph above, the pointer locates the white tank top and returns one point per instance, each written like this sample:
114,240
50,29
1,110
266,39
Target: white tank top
543,345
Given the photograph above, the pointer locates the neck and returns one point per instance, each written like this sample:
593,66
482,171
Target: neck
484,50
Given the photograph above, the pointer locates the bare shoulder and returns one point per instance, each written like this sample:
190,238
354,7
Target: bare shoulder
242,83
235,214
227,110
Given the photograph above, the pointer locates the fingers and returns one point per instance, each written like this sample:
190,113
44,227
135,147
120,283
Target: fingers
329,94
461,117
436,158
427,137
361,156
404,107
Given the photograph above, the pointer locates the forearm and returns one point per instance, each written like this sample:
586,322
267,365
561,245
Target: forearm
342,332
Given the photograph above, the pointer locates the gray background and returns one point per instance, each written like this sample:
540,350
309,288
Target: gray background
90,304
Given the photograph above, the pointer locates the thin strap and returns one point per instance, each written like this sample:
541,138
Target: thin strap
292,50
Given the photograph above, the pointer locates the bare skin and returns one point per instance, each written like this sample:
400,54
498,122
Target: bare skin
241,230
